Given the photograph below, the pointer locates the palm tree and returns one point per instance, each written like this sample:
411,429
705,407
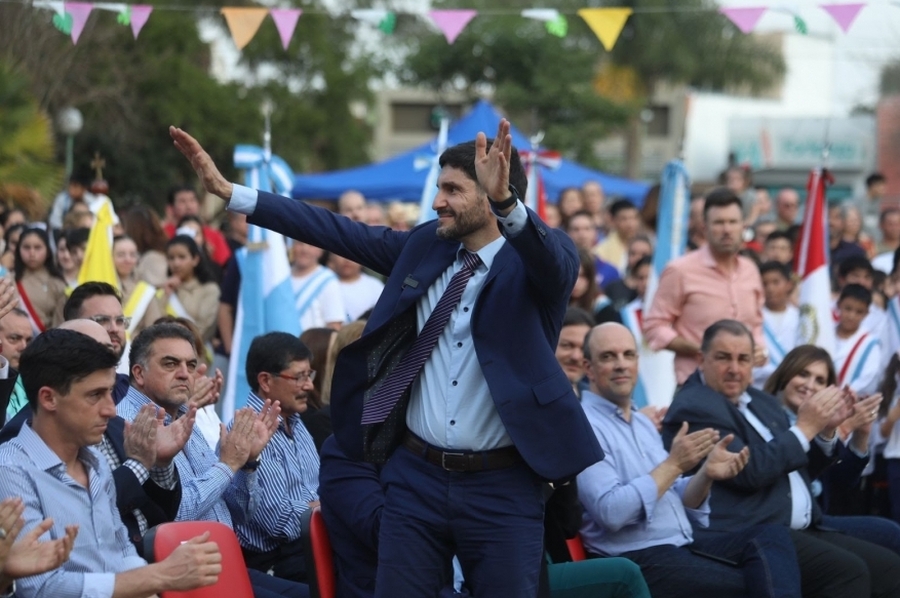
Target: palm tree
29,174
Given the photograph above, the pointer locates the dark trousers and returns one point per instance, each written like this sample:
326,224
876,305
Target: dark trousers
893,479
286,561
759,562
491,520
837,565
266,586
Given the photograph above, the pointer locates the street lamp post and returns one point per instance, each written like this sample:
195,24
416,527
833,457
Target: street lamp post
69,122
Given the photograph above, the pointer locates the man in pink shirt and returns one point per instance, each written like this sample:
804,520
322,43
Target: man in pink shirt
706,285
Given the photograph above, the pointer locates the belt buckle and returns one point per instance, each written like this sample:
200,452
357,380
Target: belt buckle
444,456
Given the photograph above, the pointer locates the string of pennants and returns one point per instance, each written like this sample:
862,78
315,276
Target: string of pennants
244,22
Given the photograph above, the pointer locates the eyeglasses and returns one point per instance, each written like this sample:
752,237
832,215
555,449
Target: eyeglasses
299,378
106,321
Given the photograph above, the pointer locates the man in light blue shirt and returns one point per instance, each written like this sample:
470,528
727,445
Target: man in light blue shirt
52,466
638,504
278,370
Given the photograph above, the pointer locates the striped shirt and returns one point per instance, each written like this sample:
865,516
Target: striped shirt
288,478
31,470
164,477
210,491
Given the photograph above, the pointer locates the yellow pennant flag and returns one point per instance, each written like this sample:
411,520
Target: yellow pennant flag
244,23
606,23
98,263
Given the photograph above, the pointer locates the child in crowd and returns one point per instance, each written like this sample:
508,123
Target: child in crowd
778,248
859,270
190,291
857,352
42,290
781,319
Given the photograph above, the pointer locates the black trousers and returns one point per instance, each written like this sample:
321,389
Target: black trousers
287,561
836,565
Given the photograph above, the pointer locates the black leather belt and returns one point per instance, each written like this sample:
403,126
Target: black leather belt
463,461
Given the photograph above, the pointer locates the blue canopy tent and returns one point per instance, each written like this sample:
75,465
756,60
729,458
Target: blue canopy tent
403,176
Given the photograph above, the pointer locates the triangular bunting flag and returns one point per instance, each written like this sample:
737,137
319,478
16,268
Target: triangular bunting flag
139,15
388,23
558,26
744,19
606,23
452,22
80,12
800,25
124,17
844,14
285,21
63,22
243,23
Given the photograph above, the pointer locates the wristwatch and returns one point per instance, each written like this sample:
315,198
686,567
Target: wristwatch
248,466
506,203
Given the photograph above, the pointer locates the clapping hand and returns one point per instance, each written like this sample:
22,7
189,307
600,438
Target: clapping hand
722,464
689,449
22,557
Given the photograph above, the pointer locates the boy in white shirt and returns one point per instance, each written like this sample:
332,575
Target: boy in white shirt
857,352
781,319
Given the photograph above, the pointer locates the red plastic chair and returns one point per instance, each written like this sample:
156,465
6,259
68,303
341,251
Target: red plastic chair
234,582
576,548
317,551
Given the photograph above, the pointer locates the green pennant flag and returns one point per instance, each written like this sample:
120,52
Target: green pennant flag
124,17
558,26
800,25
388,23
63,22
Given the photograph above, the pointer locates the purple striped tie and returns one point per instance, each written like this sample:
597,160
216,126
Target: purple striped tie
379,406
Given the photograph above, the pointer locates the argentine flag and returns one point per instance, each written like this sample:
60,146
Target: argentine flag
656,369
266,299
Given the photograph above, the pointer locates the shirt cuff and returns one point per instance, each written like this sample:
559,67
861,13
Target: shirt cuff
243,199
860,454
98,585
827,446
140,472
660,337
514,222
164,477
802,438
648,491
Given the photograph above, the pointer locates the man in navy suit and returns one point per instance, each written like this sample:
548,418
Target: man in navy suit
489,414
838,556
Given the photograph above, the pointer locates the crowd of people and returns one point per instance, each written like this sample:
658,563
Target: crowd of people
423,411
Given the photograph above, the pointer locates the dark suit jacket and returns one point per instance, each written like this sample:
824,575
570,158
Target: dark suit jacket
761,492
352,500
157,504
515,326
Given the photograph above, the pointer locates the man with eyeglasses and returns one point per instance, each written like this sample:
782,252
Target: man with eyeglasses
278,370
221,485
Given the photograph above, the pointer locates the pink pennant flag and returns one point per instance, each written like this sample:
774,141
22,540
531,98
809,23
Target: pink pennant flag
286,21
744,18
139,15
452,22
844,14
80,12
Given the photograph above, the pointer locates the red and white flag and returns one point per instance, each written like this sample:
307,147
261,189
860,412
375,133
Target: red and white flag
811,262
536,196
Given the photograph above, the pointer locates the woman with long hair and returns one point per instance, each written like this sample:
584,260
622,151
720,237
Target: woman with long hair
42,290
317,417
588,296
805,372
190,291
139,298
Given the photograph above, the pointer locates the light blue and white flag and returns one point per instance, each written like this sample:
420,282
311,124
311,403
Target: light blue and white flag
657,368
429,191
266,299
